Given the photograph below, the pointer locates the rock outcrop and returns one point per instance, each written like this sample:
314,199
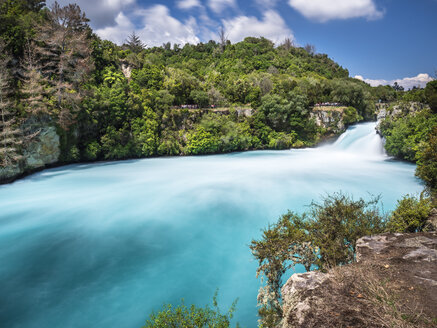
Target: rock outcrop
431,222
44,149
329,118
396,110
393,284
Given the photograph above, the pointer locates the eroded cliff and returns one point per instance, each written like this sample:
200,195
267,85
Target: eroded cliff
393,284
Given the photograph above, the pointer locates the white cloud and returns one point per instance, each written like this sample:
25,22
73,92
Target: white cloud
160,27
272,27
188,4
325,10
119,32
101,12
219,5
407,82
157,27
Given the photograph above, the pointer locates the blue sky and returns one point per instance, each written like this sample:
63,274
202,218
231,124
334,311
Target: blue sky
380,41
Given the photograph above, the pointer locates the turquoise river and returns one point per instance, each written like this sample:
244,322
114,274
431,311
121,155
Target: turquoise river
103,245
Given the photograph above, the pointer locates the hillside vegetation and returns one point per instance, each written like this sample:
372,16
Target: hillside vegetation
113,102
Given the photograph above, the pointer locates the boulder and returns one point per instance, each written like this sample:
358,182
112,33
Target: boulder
392,284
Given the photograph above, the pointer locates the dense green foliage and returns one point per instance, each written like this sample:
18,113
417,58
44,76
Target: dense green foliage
191,317
322,238
412,136
431,95
410,214
427,162
405,134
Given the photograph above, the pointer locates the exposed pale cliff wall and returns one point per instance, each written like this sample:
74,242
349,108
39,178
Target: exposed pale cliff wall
329,118
397,110
38,152
393,284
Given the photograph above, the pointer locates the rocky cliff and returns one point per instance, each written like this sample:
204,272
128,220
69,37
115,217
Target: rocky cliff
393,284
41,150
329,118
397,110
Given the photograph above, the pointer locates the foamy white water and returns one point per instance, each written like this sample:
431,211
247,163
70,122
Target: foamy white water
102,245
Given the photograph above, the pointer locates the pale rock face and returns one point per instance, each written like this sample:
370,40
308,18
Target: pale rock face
407,261
295,306
431,223
42,150
127,70
45,149
331,120
9,172
397,111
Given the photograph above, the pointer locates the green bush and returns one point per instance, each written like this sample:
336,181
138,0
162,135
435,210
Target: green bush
427,162
405,134
201,141
410,214
92,151
350,115
191,317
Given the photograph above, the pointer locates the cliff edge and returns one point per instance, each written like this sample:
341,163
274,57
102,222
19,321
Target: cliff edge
392,284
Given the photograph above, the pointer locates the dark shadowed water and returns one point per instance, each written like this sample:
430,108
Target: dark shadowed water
102,245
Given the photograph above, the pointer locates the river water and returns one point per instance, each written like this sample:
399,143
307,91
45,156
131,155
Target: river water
102,245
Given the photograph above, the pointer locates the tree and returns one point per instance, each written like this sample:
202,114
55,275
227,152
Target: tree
17,19
34,86
410,214
134,43
427,162
431,95
310,48
398,87
10,134
288,44
200,98
66,56
223,38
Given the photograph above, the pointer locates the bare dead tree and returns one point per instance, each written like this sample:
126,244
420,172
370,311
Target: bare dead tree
65,53
223,38
10,134
310,48
35,86
288,44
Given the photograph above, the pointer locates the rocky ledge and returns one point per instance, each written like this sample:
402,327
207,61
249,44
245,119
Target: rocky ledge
392,284
42,150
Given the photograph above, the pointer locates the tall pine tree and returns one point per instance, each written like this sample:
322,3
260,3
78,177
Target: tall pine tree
10,134
134,43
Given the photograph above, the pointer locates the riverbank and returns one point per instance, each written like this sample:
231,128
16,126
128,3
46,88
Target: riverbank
48,146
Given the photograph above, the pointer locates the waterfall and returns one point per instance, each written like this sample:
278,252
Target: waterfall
361,140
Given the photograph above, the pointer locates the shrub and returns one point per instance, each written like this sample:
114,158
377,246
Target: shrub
189,317
410,214
427,162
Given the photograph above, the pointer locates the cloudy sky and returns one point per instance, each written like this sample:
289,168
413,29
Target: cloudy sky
379,41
